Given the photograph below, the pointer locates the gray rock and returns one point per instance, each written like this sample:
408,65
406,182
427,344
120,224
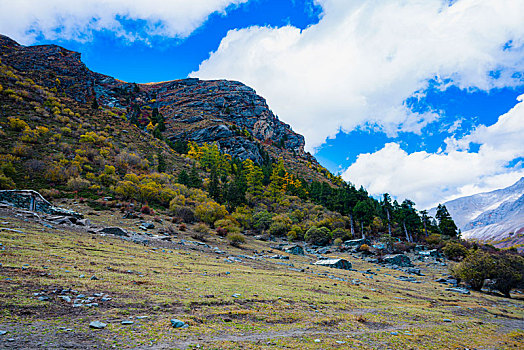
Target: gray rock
458,290
127,322
3,332
178,324
398,259
97,325
147,226
446,320
117,231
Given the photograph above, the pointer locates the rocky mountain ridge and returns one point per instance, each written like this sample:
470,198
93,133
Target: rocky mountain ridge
226,112
491,215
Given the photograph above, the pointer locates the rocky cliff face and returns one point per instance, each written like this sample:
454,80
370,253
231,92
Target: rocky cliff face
226,112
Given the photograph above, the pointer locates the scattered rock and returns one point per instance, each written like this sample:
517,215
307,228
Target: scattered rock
178,324
446,320
460,290
398,259
97,325
127,322
3,332
117,231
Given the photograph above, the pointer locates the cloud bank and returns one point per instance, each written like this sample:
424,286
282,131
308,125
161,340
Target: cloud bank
363,59
25,20
452,173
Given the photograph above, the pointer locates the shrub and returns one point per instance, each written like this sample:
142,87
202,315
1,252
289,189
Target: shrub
147,210
6,183
201,231
434,239
296,233
35,165
338,242
474,269
210,211
280,225
78,184
236,239
402,247
508,273
341,233
182,227
262,220
243,215
17,124
364,248
183,213
318,235
228,224
455,251
201,228
222,232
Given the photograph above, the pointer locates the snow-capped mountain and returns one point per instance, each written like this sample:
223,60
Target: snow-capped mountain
489,216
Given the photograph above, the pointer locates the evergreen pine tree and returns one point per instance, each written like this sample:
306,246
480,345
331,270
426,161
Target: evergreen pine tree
183,178
194,178
446,224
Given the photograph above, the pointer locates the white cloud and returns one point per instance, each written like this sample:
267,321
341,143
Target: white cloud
24,20
429,178
364,58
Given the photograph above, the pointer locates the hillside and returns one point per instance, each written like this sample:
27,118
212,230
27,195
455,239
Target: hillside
56,279
228,113
490,216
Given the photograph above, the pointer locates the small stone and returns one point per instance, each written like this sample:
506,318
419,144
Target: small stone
104,299
141,317
178,324
3,332
94,278
447,320
394,333
11,340
340,342
236,295
127,322
97,325
44,298
317,340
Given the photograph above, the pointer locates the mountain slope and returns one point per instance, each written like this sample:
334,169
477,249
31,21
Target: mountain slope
226,112
491,215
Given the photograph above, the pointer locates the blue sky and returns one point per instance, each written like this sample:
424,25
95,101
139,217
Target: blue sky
418,99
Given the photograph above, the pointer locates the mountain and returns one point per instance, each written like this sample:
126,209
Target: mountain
490,216
227,113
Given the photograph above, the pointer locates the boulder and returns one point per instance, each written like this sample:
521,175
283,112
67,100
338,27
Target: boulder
178,324
357,242
117,231
398,259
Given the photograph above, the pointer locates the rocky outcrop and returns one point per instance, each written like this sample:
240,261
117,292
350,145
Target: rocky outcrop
226,112
33,201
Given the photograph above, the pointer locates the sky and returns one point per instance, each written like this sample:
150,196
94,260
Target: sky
423,99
